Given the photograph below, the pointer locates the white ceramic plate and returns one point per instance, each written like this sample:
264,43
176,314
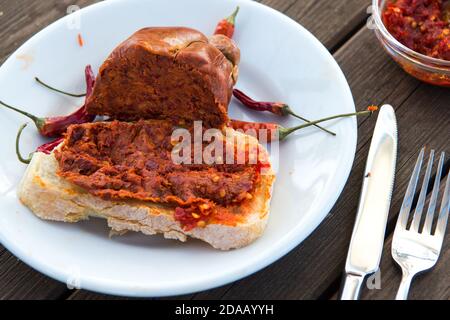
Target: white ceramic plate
280,61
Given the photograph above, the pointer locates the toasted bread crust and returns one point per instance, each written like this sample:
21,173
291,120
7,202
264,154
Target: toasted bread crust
51,197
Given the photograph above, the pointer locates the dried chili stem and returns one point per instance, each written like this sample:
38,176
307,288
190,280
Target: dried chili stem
289,111
277,132
37,120
284,132
58,90
19,155
232,18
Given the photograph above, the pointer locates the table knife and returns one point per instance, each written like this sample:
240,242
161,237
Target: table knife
367,240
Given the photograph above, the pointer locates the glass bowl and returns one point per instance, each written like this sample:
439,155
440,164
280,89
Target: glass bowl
427,69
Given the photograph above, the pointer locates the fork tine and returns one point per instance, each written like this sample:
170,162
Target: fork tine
423,194
434,195
443,215
409,195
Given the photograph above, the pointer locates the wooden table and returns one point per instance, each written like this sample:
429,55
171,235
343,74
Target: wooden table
313,269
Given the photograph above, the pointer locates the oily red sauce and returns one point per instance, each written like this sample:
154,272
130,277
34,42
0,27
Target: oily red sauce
421,25
122,160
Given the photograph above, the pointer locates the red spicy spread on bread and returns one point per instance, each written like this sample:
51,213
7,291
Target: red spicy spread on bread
132,160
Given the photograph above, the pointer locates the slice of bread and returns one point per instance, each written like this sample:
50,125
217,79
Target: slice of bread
51,197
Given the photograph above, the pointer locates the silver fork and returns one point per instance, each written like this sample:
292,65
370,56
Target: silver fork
418,251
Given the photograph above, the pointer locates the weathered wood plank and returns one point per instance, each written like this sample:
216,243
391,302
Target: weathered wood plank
431,285
21,19
330,21
18,281
280,5
88,295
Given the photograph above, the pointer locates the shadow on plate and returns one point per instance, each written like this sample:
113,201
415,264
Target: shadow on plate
97,227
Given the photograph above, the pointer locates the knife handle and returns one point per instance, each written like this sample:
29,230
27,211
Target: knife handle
352,287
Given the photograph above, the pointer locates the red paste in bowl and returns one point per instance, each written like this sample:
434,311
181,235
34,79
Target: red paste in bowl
421,25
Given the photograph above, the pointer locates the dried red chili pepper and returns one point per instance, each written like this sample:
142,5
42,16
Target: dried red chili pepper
226,26
276,132
46,148
278,108
90,79
54,126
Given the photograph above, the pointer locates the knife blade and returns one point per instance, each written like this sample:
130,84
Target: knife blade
367,240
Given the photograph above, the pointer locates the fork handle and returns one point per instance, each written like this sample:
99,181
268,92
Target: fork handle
402,293
352,287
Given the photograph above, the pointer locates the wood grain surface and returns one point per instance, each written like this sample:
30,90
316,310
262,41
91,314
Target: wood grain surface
313,270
